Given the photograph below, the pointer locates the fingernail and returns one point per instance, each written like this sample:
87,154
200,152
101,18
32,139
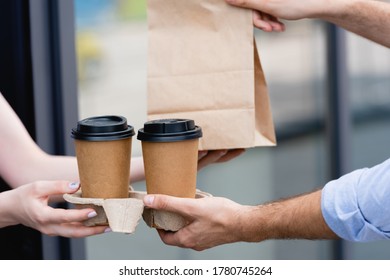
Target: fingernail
74,185
149,199
223,152
202,154
92,214
107,230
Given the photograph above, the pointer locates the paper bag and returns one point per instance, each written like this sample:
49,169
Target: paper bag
203,65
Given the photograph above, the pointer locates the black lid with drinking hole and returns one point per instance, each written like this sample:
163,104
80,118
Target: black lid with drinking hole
103,128
169,130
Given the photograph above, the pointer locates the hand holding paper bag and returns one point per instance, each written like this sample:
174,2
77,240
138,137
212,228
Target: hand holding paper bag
203,65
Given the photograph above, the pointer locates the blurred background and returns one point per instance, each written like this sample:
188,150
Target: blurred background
111,47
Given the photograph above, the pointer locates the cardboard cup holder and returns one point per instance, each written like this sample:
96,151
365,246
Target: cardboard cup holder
167,220
123,214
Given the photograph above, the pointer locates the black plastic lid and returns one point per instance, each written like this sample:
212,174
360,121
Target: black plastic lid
169,130
103,128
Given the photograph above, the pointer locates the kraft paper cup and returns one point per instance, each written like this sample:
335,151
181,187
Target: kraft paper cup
170,153
103,151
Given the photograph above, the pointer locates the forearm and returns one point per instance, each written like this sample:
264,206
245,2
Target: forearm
367,18
49,167
40,166
65,168
294,218
22,160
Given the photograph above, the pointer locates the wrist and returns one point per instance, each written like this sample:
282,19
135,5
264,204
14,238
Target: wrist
331,9
253,225
6,210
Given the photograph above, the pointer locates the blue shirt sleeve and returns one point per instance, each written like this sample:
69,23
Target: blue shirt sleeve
357,205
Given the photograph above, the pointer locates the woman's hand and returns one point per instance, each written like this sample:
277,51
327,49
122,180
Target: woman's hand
28,205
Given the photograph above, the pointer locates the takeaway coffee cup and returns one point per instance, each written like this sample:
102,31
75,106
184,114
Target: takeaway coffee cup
103,151
170,152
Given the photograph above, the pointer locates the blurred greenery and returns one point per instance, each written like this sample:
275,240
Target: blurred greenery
89,55
90,16
131,9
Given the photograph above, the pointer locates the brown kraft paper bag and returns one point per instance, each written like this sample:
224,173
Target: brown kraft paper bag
203,65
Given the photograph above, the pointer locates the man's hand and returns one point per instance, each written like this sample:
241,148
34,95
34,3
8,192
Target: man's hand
217,156
212,220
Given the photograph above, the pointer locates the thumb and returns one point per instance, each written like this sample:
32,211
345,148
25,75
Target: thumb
253,4
48,188
182,206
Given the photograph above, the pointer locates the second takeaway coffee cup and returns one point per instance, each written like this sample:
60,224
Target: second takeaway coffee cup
170,153
103,151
